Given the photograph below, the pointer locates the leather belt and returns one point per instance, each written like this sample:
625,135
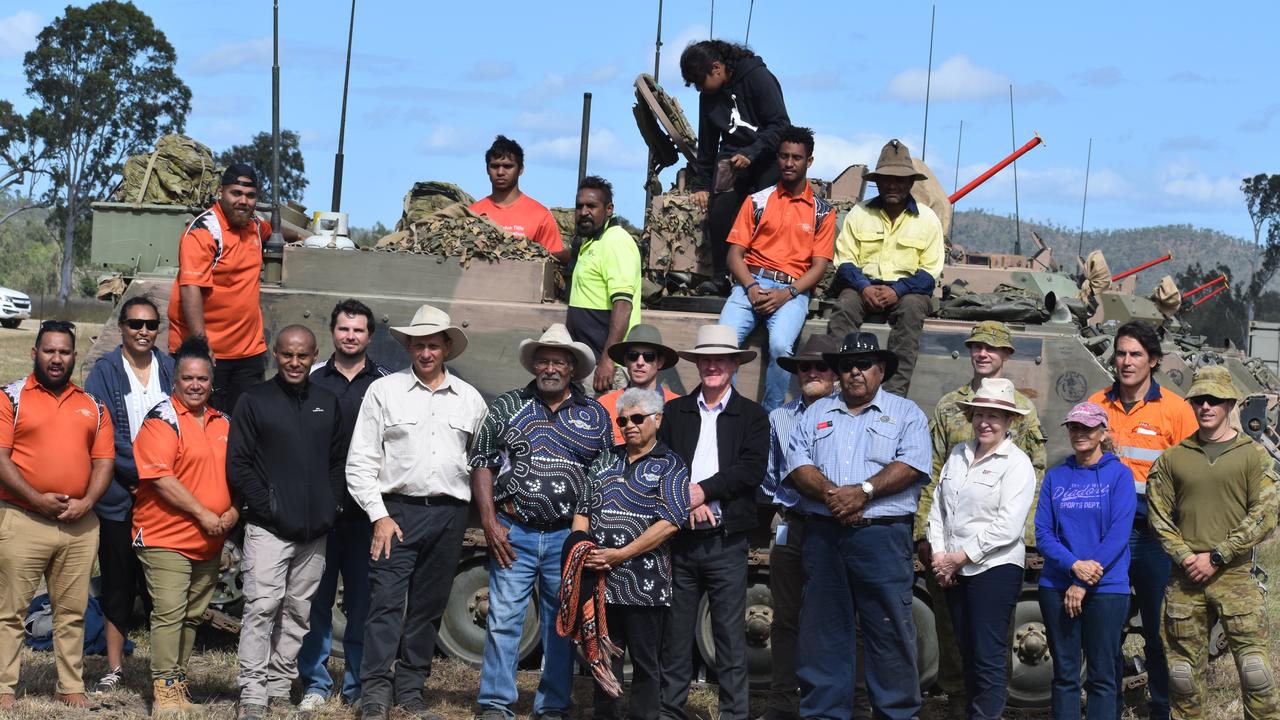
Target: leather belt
774,275
422,501
891,520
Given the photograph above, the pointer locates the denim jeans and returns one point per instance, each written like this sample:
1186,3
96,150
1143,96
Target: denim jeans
1149,569
348,554
537,564
784,327
1097,630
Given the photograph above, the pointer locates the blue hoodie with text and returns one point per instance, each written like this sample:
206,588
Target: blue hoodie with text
1086,513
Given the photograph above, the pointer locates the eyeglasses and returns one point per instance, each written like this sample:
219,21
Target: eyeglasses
847,364
65,326
635,419
634,355
817,366
1210,400
139,323
559,363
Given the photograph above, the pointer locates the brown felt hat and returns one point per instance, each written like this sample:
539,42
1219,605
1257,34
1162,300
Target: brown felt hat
643,334
812,351
895,161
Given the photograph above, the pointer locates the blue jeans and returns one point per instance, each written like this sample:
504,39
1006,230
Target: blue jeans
1149,569
784,327
347,553
1097,630
537,563
857,583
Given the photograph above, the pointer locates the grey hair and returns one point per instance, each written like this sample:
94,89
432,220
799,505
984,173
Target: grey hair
646,401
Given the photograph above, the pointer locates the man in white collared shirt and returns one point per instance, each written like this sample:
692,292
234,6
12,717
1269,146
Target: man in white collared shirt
407,469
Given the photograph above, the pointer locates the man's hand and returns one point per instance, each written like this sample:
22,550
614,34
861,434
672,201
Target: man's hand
700,199
210,523
1198,568
604,559
383,530
771,300
1074,600
702,515
888,296
51,505
697,497
1088,572
495,536
846,501
873,297
228,520
76,508
604,375
740,162
924,553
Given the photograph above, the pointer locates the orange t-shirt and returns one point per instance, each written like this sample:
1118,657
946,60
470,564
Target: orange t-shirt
784,236
525,218
172,443
54,438
227,264
610,402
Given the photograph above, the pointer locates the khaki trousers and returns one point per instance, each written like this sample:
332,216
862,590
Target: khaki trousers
180,591
280,578
33,547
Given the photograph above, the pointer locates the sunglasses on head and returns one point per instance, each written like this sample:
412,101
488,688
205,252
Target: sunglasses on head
634,355
65,326
634,419
848,364
1212,401
805,366
139,323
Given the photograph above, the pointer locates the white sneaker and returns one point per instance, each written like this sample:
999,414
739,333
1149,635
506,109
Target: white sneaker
312,702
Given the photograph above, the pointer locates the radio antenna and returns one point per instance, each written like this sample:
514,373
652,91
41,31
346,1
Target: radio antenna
1017,214
928,85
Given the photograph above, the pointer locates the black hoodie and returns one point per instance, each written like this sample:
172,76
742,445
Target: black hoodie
758,96
286,458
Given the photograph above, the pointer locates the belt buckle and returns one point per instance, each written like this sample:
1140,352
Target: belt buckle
860,523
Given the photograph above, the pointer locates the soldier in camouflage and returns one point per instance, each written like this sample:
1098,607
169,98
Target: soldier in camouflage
1212,499
990,344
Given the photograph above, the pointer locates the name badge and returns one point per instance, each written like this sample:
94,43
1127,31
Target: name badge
825,424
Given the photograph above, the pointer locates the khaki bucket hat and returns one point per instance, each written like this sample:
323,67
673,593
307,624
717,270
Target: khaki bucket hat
557,336
1214,381
997,393
429,321
895,161
643,334
991,332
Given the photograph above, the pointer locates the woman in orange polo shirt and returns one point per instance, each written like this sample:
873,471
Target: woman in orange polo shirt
182,512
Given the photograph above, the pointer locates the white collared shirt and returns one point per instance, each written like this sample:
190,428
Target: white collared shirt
412,440
981,507
706,456
141,398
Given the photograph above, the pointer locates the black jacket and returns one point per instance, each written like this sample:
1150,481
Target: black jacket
742,432
286,458
759,100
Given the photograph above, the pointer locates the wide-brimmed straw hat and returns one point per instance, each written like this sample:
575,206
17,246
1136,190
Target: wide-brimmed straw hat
429,321
717,340
895,161
863,343
996,393
812,351
1214,381
557,336
643,334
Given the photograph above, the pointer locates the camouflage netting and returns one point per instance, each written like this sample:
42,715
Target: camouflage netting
455,231
425,198
565,221
180,171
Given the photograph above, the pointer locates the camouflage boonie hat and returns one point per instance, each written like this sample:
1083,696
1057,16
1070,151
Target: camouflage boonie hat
993,333
1214,381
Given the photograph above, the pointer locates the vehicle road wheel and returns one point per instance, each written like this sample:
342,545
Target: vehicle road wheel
926,643
462,629
1031,679
11,323
758,627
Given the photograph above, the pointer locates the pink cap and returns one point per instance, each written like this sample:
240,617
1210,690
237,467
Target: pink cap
1087,414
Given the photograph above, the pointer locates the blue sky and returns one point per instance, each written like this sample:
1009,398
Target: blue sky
1180,100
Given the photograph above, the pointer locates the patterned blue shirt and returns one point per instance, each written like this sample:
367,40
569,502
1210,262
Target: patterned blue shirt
623,500
542,455
782,421
850,448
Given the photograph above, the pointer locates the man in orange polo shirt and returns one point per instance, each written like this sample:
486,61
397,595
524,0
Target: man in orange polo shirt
779,247
643,356
1144,420
57,450
510,208
216,291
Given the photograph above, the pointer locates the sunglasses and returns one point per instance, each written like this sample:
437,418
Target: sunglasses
848,364
634,355
138,324
805,366
1210,400
636,419
65,326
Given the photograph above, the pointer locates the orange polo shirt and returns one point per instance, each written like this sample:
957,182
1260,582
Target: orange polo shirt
226,264
172,443
524,218
1159,421
54,438
610,402
784,232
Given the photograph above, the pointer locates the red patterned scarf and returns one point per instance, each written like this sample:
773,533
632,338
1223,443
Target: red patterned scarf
582,612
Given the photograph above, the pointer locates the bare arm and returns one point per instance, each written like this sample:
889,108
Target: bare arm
813,275
192,297
495,534
811,483
581,523
619,317
609,558
172,491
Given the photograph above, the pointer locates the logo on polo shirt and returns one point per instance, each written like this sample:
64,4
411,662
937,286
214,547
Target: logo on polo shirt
316,410
84,412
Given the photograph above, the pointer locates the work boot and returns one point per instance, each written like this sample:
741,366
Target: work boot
252,711
75,700
417,709
184,695
373,711
166,698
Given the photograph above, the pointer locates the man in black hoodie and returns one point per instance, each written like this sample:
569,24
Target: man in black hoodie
741,116
285,461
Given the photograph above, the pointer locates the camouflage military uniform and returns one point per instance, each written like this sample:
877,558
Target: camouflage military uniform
1226,504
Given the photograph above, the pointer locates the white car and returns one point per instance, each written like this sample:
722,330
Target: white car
14,307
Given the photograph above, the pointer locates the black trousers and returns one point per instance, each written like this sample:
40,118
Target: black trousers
981,609
714,563
723,209
233,377
638,629
121,579
407,596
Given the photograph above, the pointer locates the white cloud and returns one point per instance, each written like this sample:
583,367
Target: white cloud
18,33
549,121
602,74
1189,184
605,150
832,153
449,140
490,70
1100,76
254,54
955,79
669,63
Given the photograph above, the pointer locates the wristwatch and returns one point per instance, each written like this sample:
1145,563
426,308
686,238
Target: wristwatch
1215,559
869,489
792,289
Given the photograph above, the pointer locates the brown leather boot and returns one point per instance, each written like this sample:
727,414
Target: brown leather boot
184,695
166,698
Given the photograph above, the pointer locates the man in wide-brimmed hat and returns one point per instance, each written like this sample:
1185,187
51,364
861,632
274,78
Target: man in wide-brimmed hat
724,439
407,470
643,356
888,259
858,460
529,468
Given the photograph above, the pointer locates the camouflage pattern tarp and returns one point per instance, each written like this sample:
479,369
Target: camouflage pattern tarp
455,231
674,236
180,171
425,198
1006,303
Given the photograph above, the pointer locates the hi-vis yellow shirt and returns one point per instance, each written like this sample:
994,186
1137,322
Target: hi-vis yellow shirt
887,249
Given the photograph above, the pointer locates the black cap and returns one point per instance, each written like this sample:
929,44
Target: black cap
235,171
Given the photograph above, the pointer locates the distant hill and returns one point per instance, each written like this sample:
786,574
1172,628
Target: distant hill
981,231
